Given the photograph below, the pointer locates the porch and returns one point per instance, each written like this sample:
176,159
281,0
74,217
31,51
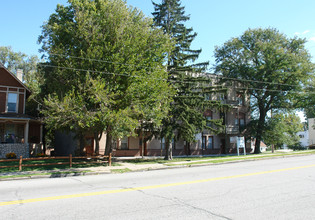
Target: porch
16,134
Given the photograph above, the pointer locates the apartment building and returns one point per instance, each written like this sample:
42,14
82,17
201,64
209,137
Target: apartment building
235,120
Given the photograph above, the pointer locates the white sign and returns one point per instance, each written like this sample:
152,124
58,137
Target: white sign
240,144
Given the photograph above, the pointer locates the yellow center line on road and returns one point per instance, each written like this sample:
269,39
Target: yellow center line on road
147,187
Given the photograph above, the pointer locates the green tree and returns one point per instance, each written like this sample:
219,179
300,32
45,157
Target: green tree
282,129
307,99
271,66
117,46
185,118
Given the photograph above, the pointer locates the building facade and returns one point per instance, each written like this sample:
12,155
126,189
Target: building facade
235,120
311,132
18,132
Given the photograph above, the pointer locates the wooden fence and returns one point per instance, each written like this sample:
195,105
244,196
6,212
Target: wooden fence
69,161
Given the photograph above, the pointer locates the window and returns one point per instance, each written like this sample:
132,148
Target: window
208,115
222,97
301,136
209,118
11,133
210,143
240,99
12,102
124,143
207,142
242,122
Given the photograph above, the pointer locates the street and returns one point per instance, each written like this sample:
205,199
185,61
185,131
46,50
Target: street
280,188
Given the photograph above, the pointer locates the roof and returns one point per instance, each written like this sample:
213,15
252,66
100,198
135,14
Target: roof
4,70
16,116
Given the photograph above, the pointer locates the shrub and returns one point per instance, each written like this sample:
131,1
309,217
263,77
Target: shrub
10,155
297,147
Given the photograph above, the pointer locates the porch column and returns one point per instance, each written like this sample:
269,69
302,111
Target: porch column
41,134
26,129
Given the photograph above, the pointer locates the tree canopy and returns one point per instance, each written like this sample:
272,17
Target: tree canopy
186,115
281,129
272,68
105,61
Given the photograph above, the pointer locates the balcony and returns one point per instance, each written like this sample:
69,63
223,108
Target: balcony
230,129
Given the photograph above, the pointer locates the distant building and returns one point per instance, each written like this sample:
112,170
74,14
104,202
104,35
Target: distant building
304,138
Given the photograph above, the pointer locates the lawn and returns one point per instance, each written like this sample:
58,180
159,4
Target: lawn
83,164
215,159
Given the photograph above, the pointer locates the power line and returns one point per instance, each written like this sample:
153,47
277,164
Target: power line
103,61
145,67
127,75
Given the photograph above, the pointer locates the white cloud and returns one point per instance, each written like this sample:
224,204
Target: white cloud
303,33
312,39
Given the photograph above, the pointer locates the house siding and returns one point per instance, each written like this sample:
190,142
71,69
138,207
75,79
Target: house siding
2,101
16,128
7,79
21,104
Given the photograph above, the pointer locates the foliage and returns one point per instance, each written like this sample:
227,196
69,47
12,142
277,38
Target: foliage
104,70
185,118
282,129
272,68
10,155
296,147
307,99
170,16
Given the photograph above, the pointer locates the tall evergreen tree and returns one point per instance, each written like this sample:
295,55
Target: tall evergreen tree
170,16
186,118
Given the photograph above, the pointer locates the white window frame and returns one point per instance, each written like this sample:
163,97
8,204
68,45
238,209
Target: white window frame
16,103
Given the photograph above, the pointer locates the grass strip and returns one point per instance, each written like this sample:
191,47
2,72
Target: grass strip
125,170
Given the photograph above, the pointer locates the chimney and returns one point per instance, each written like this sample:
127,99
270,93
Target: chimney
19,74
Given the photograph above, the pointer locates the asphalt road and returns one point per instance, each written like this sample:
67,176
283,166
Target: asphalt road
268,189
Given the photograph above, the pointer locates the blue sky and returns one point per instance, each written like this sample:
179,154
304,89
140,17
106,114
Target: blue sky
215,21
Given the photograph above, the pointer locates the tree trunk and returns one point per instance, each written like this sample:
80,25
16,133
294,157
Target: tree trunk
259,131
188,148
82,145
97,143
168,150
109,140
